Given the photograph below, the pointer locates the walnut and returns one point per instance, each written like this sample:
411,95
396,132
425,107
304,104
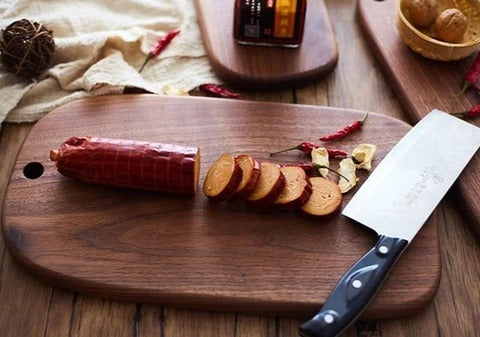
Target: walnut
421,13
451,25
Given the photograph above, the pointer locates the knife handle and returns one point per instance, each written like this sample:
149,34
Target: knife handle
355,289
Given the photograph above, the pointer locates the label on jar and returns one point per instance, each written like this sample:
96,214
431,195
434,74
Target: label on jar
269,20
284,24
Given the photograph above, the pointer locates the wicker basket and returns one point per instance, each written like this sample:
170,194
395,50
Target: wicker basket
423,41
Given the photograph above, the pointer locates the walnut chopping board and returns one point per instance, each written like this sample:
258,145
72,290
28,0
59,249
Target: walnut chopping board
423,85
187,251
266,68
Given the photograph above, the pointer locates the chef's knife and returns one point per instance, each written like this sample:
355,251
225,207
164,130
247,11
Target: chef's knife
395,201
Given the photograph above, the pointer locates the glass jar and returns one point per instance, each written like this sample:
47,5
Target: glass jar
269,22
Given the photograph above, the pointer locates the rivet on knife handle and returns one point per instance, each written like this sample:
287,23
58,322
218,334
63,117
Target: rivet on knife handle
355,289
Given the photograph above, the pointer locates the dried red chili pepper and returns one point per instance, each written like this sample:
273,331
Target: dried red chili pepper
336,153
472,77
345,130
307,147
311,166
472,112
218,90
159,46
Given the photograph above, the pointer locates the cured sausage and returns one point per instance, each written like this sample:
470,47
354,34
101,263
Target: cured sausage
130,163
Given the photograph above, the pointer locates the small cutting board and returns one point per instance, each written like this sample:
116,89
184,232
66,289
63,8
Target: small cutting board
423,85
267,67
187,251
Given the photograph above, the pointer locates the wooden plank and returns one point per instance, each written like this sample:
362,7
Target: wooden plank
149,321
59,316
421,86
278,96
266,67
188,323
315,94
423,323
253,326
358,82
93,317
459,287
18,289
221,262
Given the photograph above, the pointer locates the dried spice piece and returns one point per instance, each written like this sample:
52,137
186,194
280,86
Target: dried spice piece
26,48
312,166
363,155
472,77
307,147
159,46
347,170
336,153
320,157
345,130
218,90
473,112
168,90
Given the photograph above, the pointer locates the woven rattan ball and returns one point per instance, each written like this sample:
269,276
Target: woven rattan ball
26,48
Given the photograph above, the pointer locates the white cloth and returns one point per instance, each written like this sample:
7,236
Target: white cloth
100,45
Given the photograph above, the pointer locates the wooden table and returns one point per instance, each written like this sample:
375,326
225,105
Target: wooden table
29,307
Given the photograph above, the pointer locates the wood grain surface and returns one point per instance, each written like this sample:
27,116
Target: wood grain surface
267,67
30,307
187,251
423,85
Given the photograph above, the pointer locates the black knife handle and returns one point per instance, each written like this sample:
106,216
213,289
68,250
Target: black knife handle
355,289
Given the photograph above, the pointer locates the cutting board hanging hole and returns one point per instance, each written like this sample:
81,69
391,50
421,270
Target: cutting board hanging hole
33,170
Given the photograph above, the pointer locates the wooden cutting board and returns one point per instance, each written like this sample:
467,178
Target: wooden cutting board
187,251
266,67
422,85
